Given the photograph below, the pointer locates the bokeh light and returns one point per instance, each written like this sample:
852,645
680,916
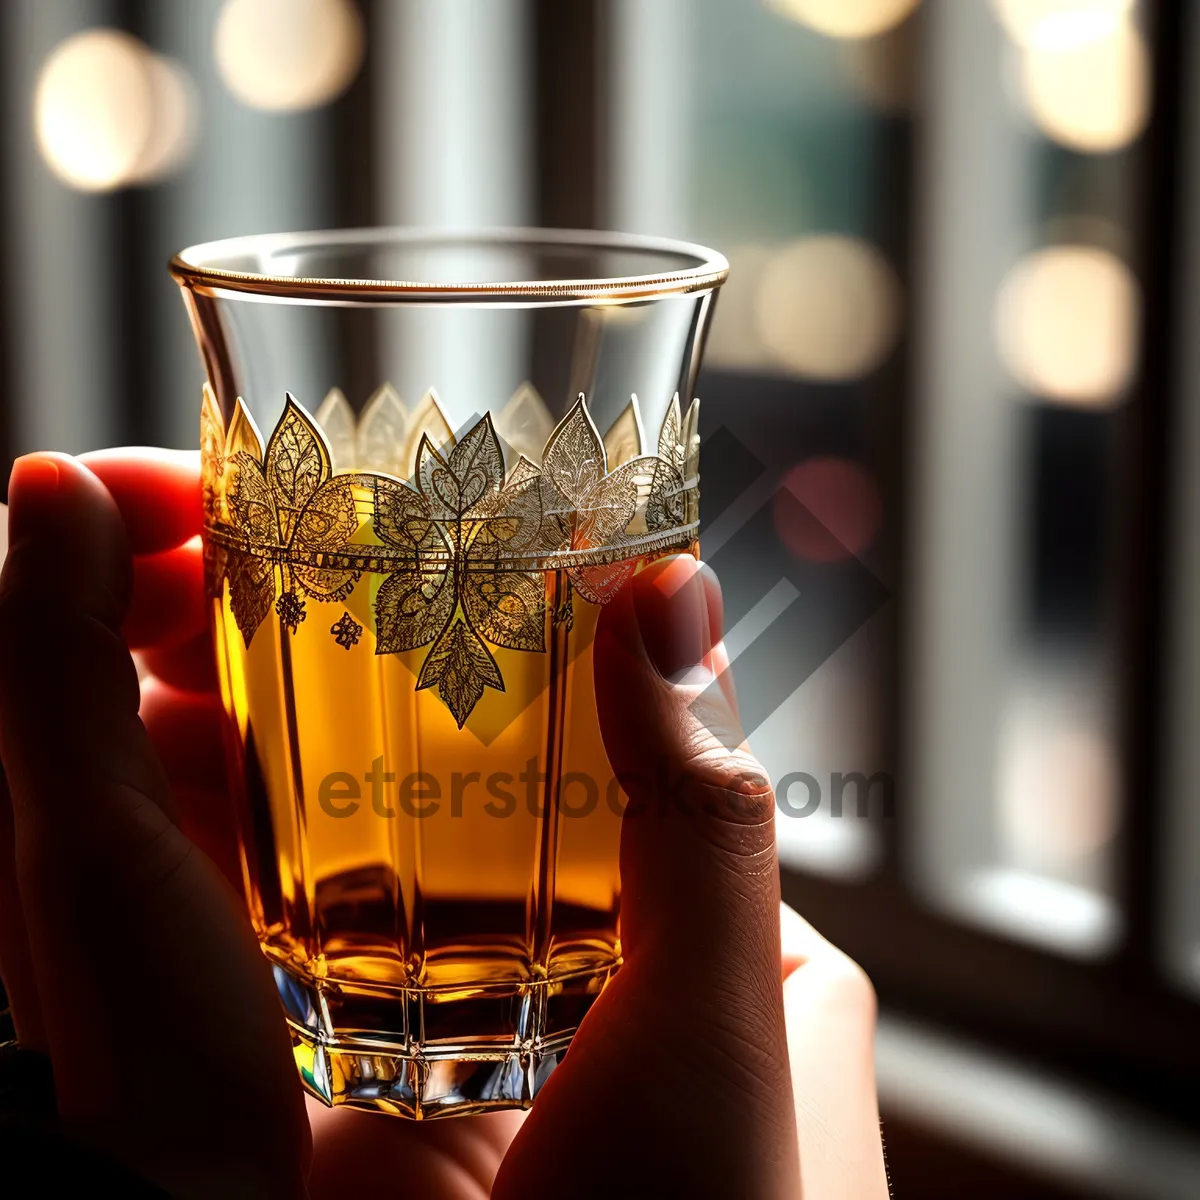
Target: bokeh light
1058,788
1092,94
176,120
1067,324
288,55
828,509
845,18
1059,24
109,113
828,308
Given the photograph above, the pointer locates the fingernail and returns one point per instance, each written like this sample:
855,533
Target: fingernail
34,472
33,481
672,610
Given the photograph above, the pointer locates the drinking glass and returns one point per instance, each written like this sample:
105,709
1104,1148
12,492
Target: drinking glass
428,460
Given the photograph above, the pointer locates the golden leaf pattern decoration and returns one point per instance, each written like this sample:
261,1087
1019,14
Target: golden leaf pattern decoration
412,608
691,463
295,462
428,421
291,509
464,522
243,434
212,467
592,505
212,455
386,436
626,438
383,433
461,666
461,548
417,599
336,420
525,423
251,592
665,504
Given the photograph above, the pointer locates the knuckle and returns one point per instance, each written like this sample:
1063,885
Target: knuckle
734,774
730,795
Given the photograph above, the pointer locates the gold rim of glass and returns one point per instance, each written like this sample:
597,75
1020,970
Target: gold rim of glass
198,268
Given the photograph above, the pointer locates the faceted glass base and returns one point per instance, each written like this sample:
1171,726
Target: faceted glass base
398,1050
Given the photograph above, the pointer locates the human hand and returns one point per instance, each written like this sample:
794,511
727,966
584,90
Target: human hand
126,953
678,1081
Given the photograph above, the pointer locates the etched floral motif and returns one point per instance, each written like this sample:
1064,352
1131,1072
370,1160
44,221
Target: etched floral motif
463,547
386,436
346,631
590,505
290,608
459,524
289,509
665,504
212,463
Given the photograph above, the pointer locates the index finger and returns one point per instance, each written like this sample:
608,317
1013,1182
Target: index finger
157,492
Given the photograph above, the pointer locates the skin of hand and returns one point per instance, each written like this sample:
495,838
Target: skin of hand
731,1056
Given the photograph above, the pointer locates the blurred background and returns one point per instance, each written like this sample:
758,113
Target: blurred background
951,420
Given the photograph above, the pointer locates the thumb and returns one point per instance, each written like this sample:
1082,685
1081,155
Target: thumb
700,881
700,887
680,1068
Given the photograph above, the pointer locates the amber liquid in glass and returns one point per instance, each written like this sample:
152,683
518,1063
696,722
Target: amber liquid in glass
440,904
